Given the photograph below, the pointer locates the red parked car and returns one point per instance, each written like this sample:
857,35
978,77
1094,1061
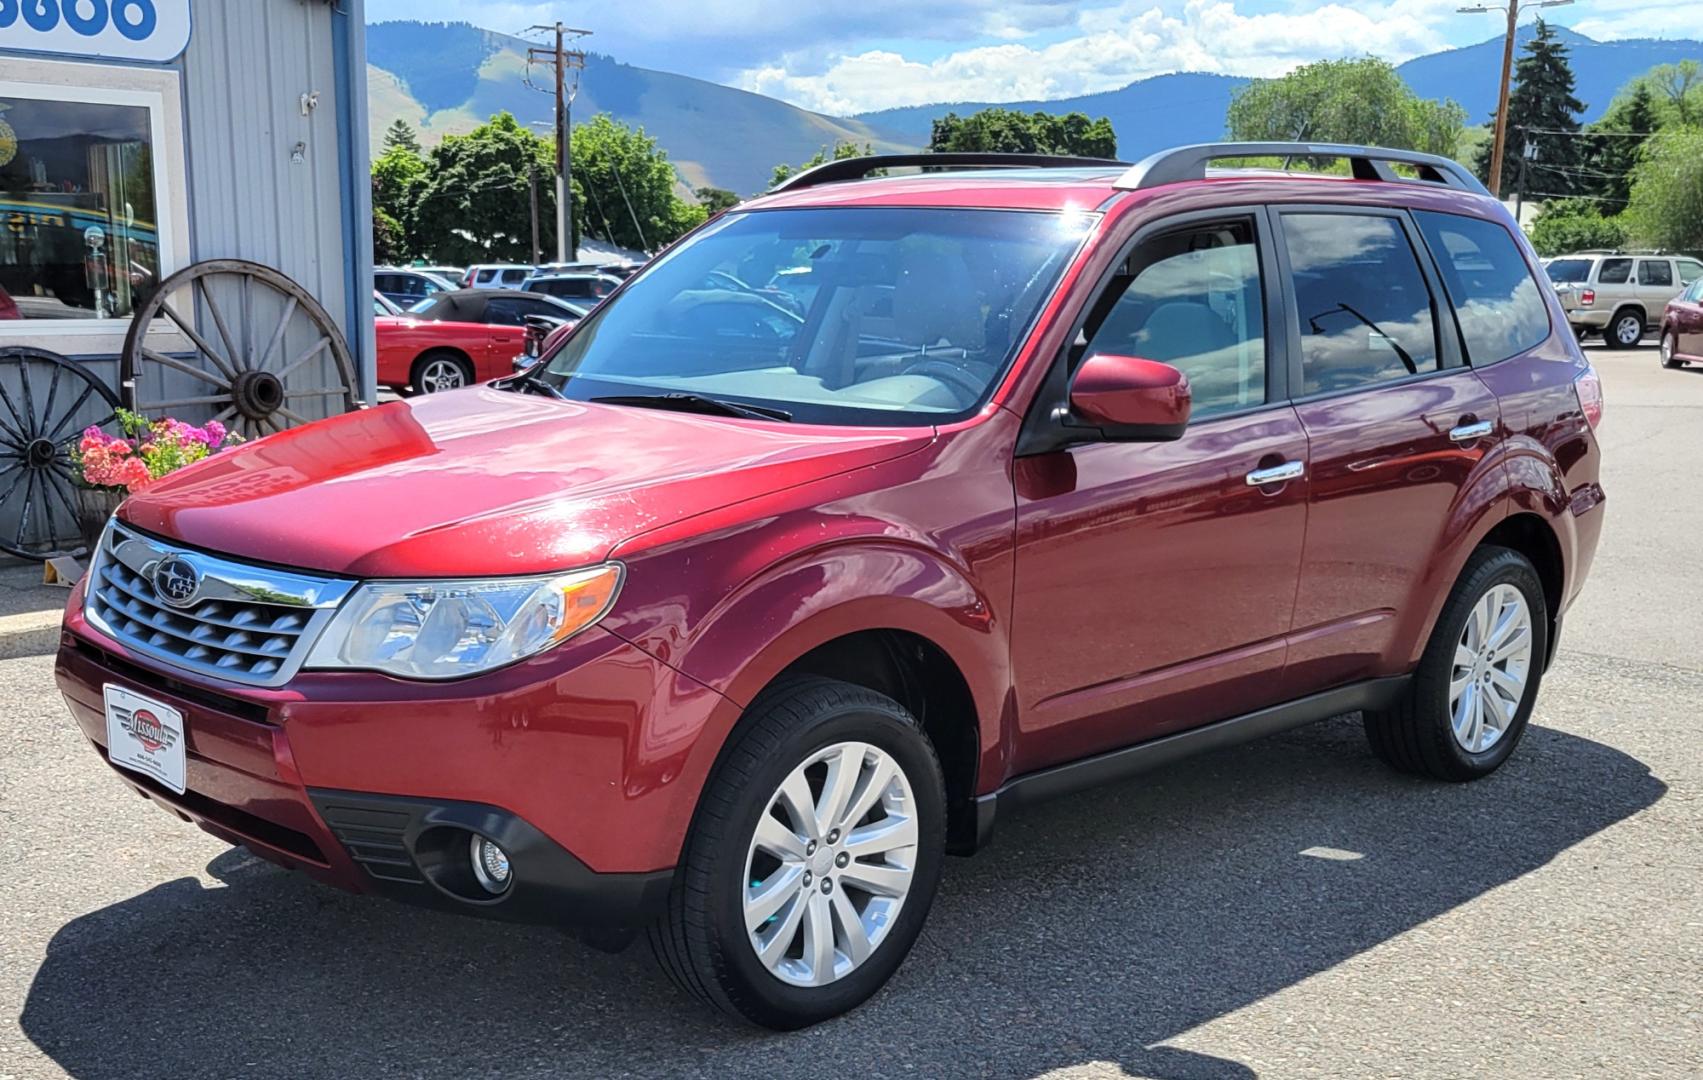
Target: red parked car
455,339
726,624
1682,328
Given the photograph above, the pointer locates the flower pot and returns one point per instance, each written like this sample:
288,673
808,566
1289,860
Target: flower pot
94,507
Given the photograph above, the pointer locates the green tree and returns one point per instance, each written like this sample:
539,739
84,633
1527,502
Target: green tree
398,176
624,187
401,136
1680,89
1008,131
842,150
1666,209
1361,102
472,202
714,200
1618,146
1574,225
1542,111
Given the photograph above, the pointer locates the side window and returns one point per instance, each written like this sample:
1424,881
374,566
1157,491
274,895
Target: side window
1655,272
1615,272
515,276
1365,312
1689,270
502,311
1499,307
1192,299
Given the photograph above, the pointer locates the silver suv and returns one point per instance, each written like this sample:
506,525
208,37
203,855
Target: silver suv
1619,294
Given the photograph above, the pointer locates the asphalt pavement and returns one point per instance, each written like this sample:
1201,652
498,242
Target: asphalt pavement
1288,908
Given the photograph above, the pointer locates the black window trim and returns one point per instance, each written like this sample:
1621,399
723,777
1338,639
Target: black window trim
1044,433
1451,356
1533,270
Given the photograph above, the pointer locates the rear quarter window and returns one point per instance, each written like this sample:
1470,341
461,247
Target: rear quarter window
1498,304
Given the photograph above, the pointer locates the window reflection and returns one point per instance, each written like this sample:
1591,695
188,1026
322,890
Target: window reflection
78,238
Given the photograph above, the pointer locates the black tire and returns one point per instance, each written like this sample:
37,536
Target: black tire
1670,350
424,364
702,941
1414,735
1611,334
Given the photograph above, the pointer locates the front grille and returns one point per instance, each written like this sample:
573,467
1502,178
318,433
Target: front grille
246,623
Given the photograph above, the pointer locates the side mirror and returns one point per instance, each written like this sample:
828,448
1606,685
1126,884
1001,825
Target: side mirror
1130,399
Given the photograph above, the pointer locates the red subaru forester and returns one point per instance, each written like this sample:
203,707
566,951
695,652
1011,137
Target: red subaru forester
873,509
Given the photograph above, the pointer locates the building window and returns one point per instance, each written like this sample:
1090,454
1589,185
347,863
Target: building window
81,238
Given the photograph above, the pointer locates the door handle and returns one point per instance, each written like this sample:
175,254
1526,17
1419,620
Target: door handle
1277,474
1470,432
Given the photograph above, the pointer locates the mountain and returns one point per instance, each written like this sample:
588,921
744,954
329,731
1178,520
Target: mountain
1168,110
1600,69
447,78
1148,115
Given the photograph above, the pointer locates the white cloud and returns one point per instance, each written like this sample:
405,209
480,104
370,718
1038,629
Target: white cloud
1112,47
1612,20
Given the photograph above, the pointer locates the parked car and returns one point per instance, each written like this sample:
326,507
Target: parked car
406,288
8,306
592,287
1619,294
458,338
495,276
544,334
726,626
382,308
1682,328
448,273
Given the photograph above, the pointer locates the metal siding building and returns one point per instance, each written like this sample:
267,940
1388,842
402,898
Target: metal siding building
263,156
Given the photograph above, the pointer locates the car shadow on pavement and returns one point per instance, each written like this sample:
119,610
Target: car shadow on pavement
1093,930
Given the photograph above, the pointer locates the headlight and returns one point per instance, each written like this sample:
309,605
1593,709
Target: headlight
452,629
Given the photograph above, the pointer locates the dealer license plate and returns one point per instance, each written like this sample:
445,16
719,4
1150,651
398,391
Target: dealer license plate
145,736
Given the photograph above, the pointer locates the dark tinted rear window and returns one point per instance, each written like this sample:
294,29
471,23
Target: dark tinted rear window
1615,272
1499,305
1570,271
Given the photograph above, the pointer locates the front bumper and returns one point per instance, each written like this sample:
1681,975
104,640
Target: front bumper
365,788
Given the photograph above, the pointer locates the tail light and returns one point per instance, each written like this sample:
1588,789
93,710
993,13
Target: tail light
1588,385
1587,297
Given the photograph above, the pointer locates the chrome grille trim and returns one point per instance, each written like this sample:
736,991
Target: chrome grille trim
246,624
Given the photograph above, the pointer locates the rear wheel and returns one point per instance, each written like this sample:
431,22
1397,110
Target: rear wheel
813,859
1625,330
1670,351
1473,691
441,370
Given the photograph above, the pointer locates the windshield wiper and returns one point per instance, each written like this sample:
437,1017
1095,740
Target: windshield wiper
696,403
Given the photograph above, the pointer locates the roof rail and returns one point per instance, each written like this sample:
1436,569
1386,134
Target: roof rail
860,167
1366,162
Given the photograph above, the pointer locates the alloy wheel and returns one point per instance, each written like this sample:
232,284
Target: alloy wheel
830,864
441,375
1492,669
1629,330
1667,350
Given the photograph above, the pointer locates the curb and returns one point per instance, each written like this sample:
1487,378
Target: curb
32,633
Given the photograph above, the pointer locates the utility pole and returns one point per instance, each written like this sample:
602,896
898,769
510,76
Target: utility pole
532,184
1527,155
562,60
1501,137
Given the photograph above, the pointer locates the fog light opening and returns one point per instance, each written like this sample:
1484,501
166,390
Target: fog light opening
490,865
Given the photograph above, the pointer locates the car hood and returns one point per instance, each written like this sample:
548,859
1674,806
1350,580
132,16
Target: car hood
486,482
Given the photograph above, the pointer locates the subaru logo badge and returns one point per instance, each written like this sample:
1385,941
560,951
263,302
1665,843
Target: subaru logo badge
176,581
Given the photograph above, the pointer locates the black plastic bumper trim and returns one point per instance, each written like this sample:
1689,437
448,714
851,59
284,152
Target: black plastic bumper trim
415,851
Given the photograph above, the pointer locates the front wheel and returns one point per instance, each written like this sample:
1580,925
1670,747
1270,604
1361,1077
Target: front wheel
441,370
813,859
1469,700
1670,351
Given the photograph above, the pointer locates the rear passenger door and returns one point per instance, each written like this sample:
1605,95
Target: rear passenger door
1396,425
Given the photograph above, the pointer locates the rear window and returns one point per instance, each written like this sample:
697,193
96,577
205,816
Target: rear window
1570,271
1498,305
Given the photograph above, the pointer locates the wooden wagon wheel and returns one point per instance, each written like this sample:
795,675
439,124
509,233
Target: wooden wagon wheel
46,401
247,376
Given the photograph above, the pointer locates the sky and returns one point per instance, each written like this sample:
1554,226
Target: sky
848,56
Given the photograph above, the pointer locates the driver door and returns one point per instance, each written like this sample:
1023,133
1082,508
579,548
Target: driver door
1155,580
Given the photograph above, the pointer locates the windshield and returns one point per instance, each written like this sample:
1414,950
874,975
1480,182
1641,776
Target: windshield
833,315
1569,271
